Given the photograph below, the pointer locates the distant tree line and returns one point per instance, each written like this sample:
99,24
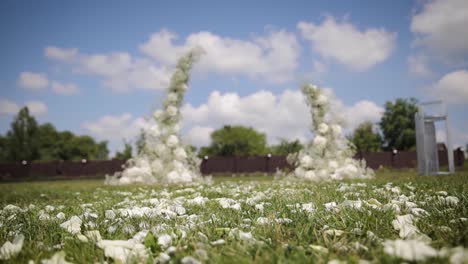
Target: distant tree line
27,140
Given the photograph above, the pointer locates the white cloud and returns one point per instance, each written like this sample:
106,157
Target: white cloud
360,112
65,88
459,138
119,70
61,54
272,57
8,107
418,65
280,116
37,108
441,26
452,87
319,67
115,127
33,81
199,135
345,44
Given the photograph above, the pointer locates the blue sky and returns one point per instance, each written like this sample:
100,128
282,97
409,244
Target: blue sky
100,67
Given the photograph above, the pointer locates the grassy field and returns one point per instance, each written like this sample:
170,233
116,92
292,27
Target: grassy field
240,220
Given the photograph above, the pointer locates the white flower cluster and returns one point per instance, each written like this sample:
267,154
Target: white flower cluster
328,156
164,158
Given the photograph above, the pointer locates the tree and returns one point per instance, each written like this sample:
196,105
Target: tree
71,147
235,141
365,139
48,138
26,140
22,139
398,125
286,147
141,141
84,147
126,154
3,149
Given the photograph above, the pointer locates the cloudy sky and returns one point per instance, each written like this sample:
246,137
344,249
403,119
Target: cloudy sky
101,67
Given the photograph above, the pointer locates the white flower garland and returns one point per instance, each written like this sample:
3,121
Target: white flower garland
328,156
164,158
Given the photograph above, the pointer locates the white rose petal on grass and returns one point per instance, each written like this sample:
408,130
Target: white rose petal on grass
411,250
199,200
246,236
11,249
452,200
94,235
333,232
308,208
330,206
283,220
443,193
60,216
125,251
189,260
352,204
459,255
49,208
110,214
263,221
418,212
12,208
229,203
73,225
164,240
82,238
404,223
319,249
218,242
171,250
163,258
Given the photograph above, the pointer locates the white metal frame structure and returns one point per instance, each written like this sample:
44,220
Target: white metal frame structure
426,143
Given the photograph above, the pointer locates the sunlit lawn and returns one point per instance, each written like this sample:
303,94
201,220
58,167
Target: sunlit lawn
261,219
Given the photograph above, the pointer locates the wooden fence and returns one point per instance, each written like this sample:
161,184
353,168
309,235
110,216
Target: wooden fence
403,159
212,165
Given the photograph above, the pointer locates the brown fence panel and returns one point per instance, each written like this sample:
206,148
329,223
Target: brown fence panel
459,157
45,169
376,159
405,159
213,165
14,171
278,162
218,165
251,164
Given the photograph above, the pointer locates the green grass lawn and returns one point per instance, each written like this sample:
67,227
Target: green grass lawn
253,219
